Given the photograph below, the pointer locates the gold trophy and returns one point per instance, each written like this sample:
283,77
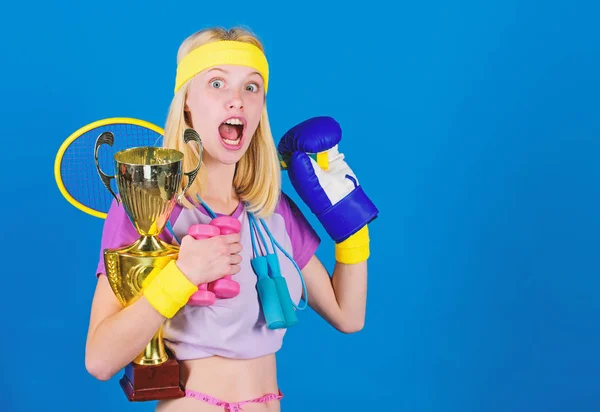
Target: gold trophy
148,180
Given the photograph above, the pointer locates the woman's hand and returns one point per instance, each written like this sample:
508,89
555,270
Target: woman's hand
328,187
205,260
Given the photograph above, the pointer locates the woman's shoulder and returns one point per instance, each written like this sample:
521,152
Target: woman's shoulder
303,237
285,205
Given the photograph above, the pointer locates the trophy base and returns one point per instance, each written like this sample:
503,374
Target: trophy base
153,382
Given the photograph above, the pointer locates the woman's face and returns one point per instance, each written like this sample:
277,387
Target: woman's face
225,104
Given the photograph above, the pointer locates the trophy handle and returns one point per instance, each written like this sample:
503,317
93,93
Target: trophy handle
105,138
188,136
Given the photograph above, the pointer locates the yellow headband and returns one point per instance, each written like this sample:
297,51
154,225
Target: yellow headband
221,52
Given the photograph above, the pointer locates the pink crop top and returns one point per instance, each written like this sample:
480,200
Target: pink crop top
232,328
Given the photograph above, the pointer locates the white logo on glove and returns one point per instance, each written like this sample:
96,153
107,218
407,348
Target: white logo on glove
338,180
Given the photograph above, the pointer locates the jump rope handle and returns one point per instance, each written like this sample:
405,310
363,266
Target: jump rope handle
203,297
285,301
225,288
267,292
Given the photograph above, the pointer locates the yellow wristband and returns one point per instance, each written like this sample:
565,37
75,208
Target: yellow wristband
169,290
355,249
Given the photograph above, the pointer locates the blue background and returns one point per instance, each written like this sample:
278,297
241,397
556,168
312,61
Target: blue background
473,126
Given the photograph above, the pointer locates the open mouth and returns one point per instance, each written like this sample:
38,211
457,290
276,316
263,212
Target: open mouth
231,131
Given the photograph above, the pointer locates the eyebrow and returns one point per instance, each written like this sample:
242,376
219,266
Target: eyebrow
217,69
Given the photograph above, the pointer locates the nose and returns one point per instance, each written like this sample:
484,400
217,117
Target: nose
235,101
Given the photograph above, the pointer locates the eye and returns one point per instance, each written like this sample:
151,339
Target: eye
252,87
217,84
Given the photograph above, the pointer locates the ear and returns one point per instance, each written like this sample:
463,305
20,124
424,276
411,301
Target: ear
187,117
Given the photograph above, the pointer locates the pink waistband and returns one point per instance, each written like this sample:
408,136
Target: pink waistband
231,406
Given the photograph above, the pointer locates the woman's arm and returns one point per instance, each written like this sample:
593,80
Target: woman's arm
117,335
331,190
341,299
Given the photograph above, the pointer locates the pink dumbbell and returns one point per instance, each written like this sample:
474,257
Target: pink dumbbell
225,287
203,297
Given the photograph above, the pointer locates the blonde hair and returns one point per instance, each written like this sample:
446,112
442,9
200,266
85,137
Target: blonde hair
257,178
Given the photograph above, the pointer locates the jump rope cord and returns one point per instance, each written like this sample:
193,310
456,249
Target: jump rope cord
275,243
172,232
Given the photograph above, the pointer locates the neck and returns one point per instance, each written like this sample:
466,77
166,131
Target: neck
217,189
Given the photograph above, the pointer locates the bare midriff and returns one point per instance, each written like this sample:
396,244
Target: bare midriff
231,380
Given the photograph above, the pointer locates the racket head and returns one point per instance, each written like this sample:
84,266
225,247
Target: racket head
75,171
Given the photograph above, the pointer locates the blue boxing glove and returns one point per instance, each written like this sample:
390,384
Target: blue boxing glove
328,186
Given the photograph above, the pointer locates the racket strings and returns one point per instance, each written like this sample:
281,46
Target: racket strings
78,169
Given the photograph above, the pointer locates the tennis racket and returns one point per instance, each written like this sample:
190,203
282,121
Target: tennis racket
74,167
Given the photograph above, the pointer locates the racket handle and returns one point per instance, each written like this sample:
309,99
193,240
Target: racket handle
225,288
203,297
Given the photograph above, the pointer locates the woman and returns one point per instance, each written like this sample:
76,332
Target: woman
226,350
